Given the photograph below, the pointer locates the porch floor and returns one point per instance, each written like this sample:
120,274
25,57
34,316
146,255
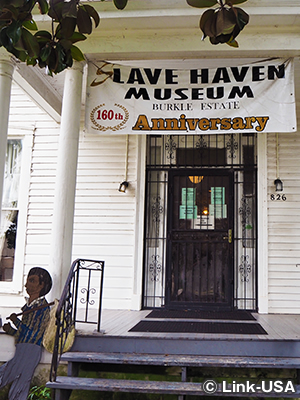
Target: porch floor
119,322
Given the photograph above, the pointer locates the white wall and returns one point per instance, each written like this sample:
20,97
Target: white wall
284,225
104,225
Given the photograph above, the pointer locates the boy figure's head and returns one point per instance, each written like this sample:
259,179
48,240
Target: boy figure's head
38,283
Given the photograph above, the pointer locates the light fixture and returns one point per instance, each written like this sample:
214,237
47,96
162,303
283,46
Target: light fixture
123,186
278,185
278,182
196,179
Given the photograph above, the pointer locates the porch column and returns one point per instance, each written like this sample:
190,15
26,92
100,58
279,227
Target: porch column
64,201
6,73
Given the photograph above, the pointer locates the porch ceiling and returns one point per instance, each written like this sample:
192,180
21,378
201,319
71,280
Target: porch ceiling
154,29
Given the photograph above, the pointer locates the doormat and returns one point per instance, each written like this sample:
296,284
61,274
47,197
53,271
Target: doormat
203,314
238,328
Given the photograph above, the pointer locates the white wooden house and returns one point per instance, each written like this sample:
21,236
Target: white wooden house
68,201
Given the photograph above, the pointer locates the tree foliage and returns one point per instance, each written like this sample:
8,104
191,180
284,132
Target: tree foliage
55,50
223,24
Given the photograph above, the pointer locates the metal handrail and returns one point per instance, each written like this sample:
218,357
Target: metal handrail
67,310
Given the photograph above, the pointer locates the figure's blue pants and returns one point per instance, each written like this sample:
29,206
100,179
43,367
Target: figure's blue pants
19,370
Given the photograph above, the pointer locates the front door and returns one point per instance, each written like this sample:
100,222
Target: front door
200,239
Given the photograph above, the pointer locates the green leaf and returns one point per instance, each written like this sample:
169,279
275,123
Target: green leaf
55,11
235,1
5,40
43,6
28,6
45,52
52,63
69,59
69,9
201,3
66,44
225,21
205,17
208,23
233,43
31,61
61,59
43,34
66,28
30,42
92,13
242,17
77,37
84,21
20,45
14,32
21,55
31,25
6,15
14,3
77,54
120,4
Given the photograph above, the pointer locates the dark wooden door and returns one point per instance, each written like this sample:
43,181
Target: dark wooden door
200,239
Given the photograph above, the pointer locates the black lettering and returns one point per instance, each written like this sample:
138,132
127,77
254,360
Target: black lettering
117,76
170,77
256,73
158,94
136,76
137,94
152,77
210,93
197,94
182,96
239,76
237,91
272,71
221,75
194,75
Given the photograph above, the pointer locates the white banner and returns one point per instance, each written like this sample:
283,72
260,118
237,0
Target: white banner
255,97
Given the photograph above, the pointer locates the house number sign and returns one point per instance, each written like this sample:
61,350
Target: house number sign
278,197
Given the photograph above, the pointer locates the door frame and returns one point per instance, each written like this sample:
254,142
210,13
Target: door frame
231,223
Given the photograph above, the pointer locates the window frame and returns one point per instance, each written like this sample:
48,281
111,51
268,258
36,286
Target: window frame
16,285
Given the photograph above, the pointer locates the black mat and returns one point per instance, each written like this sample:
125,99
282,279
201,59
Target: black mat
238,328
202,314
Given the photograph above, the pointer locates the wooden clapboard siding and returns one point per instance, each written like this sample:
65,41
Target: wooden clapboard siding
104,223
284,225
24,113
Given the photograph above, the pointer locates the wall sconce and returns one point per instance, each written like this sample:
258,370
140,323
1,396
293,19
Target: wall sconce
278,182
123,186
278,185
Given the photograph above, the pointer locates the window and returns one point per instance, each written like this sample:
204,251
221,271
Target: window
10,208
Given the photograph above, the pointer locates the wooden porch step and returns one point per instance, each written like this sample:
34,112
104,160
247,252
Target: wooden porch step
64,384
182,360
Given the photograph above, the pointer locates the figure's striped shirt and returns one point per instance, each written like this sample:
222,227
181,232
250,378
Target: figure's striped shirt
32,326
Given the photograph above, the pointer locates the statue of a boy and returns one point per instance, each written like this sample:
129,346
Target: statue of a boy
28,335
